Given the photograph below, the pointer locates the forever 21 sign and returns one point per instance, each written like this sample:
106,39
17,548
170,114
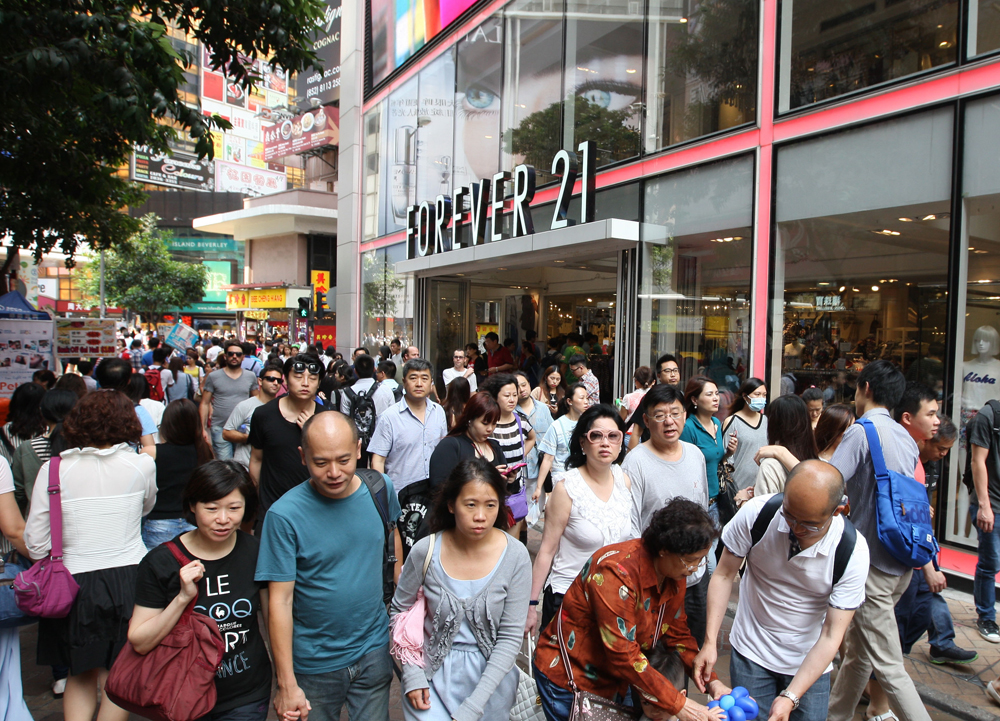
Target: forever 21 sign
427,223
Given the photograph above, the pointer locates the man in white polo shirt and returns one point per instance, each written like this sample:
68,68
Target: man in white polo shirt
804,579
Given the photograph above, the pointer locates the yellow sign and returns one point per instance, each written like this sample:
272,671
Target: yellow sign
321,284
237,299
257,314
256,299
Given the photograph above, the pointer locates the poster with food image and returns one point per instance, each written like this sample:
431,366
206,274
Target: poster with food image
307,131
25,347
85,337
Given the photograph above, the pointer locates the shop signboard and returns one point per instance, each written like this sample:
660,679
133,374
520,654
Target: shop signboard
85,337
325,84
172,171
205,244
27,280
220,273
320,283
232,178
325,333
310,130
181,337
257,299
256,314
25,347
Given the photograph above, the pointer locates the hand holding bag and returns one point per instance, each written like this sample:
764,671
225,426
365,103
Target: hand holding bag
527,702
406,640
176,680
48,589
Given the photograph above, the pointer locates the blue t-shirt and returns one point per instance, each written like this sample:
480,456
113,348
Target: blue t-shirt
712,448
147,358
332,549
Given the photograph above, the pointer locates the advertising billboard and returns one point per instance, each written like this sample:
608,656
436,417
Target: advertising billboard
402,27
232,178
304,132
325,85
172,171
25,347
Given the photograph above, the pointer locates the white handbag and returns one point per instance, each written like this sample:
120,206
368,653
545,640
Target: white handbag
527,704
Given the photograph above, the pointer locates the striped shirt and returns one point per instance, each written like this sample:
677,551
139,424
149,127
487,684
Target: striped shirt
511,439
854,460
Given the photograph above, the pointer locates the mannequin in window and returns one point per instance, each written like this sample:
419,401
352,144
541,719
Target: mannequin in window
981,375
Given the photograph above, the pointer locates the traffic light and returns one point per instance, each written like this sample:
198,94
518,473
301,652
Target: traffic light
305,307
322,308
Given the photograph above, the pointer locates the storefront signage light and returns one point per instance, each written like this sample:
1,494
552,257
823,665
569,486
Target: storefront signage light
256,299
427,222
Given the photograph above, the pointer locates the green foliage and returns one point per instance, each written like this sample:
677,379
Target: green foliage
140,275
380,286
85,81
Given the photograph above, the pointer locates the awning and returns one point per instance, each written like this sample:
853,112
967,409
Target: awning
269,220
577,242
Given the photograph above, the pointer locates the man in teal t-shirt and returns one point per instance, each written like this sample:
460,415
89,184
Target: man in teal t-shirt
321,550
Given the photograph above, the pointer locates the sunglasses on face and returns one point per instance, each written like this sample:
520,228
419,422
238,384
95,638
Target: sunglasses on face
234,354
272,379
302,367
596,436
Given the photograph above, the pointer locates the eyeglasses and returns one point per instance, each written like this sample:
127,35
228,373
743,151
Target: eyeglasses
670,371
232,354
662,417
692,567
597,436
272,379
302,367
796,523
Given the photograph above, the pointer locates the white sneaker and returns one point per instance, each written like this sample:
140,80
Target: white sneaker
59,687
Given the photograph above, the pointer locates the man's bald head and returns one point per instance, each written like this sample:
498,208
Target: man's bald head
411,352
815,484
327,425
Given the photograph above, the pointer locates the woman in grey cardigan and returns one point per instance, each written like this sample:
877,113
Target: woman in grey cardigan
476,590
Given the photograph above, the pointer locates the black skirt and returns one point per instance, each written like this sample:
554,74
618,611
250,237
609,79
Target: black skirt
97,626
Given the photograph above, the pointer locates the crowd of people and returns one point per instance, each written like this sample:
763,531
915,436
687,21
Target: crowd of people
372,516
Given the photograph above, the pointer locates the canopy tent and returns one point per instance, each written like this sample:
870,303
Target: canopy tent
14,306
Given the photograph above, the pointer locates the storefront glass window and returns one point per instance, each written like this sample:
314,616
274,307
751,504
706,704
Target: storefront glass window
694,285
603,83
435,127
386,298
833,47
977,376
373,174
532,110
477,103
400,181
701,69
861,256
984,27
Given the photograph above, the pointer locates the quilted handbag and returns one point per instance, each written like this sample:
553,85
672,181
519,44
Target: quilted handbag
527,703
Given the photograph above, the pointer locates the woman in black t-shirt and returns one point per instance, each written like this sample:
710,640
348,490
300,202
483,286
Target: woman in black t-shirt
219,496
469,438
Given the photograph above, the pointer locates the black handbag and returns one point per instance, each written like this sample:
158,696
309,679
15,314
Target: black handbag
726,500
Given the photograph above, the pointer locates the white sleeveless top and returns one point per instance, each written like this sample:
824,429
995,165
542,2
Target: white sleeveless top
592,524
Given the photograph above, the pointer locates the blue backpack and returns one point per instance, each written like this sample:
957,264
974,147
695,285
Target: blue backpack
903,512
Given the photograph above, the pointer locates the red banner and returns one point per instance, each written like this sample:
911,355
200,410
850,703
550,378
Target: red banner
304,132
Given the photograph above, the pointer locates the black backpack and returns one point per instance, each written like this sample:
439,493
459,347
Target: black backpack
845,548
380,494
363,413
967,475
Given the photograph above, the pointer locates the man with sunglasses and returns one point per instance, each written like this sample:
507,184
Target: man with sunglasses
804,580
237,428
224,389
276,431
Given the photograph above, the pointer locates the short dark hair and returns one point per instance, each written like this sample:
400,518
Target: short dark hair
73,383
509,341
397,341
272,365
217,479
576,459
492,336
472,470
497,382
363,350
914,394
85,367
812,393
577,358
230,344
667,662
884,381
304,358
154,342
388,368
137,387
113,373
662,393
160,355
415,365
666,358
364,366
682,527
946,432
249,348
44,378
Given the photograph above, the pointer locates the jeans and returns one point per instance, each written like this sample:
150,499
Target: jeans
713,513
765,685
156,531
256,711
918,610
557,702
223,449
363,686
696,608
987,567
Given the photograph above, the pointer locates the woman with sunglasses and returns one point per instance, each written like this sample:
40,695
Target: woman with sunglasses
591,508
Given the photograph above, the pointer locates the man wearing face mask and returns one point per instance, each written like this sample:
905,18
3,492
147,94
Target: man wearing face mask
805,576
276,429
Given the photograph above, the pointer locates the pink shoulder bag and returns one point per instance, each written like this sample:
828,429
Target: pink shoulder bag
48,589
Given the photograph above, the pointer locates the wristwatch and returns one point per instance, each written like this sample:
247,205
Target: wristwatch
791,697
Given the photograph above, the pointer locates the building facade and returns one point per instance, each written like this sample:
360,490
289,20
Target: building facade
787,190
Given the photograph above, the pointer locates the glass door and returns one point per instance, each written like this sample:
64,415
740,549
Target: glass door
448,325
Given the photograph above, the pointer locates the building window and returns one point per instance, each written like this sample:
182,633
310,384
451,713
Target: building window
694,288
984,27
373,174
701,70
400,143
861,255
435,127
978,331
386,299
479,79
829,48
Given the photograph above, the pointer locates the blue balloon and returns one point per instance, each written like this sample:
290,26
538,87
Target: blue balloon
713,704
749,706
727,702
736,714
739,692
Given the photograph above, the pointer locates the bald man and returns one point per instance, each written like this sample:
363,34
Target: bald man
804,579
322,552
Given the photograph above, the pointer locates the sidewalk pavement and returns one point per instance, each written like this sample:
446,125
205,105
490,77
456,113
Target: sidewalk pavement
948,692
